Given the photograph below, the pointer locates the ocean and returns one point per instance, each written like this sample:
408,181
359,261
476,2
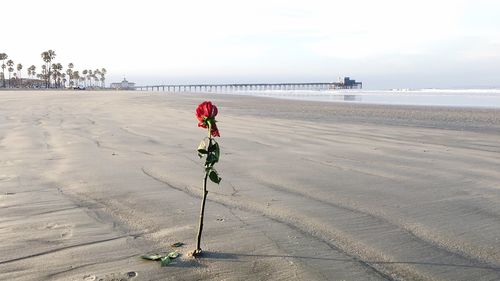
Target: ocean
485,98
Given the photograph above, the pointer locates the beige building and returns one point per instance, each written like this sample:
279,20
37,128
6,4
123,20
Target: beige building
124,85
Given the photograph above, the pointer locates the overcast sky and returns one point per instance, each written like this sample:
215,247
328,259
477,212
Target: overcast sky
384,43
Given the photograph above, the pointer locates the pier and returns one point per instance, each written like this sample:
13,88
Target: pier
346,83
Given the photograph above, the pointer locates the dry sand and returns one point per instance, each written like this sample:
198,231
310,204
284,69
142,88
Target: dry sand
89,181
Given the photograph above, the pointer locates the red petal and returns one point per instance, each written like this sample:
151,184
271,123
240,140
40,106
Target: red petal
215,131
206,110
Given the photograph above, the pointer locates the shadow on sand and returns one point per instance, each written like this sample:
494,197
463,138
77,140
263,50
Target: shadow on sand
235,257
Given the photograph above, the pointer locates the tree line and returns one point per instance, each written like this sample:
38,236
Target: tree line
50,75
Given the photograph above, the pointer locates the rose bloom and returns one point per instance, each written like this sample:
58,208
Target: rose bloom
205,112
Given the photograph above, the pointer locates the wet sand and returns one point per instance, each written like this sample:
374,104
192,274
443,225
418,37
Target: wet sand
89,181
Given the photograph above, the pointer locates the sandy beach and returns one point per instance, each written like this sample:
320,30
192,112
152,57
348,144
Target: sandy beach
89,181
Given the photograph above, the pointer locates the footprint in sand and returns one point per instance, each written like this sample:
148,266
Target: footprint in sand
65,230
67,233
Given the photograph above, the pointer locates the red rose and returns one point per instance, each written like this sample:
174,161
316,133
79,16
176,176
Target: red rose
206,112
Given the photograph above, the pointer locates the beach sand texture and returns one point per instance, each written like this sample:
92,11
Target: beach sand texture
89,181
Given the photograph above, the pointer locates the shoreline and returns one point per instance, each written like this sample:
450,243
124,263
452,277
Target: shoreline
445,98
486,120
310,191
392,98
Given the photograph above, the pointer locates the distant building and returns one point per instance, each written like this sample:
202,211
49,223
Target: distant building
347,83
124,85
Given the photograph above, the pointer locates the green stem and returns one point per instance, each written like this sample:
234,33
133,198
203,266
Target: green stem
202,212
204,199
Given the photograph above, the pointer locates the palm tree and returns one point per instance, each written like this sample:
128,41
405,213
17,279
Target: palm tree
10,64
19,67
76,77
63,76
56,74
33,70
30,76
3,57
44,74
70,73
47,57
96,72
60,74
54,77
10,69
96,79
103,77
89,76
84,72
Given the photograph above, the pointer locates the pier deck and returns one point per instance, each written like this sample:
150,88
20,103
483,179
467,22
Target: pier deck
247,87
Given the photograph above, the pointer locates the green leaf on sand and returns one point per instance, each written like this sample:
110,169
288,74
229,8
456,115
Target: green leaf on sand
173,255
165,261
152,257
